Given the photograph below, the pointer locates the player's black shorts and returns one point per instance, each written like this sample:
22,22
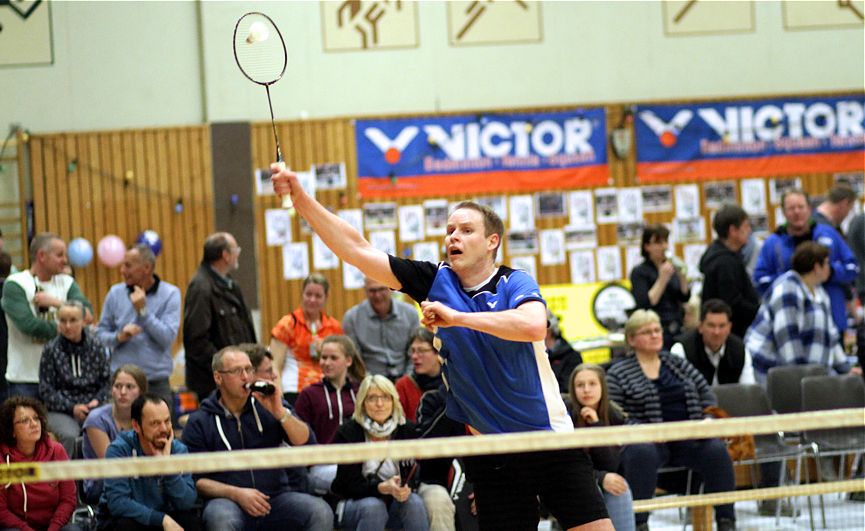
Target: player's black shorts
507,488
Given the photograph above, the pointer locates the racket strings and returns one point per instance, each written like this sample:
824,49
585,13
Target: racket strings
259,49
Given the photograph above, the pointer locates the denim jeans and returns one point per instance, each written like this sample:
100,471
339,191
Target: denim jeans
23,389
708,457
288,511
621,510
373,514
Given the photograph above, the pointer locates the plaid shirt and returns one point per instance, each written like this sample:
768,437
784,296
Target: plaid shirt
793,326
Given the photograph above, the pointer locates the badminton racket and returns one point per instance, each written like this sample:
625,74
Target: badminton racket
260,53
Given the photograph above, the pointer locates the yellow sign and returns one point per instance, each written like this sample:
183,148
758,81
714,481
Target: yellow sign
16,472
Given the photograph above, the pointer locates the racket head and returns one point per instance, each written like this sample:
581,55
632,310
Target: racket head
259,49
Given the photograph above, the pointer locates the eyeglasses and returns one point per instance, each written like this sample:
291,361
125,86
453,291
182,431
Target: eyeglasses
651,331
421,350
27,420
238,372
378,398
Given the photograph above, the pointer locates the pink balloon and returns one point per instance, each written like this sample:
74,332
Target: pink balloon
111,250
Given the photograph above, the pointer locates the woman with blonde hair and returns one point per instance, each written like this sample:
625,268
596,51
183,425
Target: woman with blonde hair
377,494
654,386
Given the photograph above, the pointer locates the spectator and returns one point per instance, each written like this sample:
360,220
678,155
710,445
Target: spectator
719,355
653,386
658,284
231,419
104,423
297,337
140,319
215,314
724,273
836,207
794,324
381,327
376,494
591,406
5,268
31,299
426,375
777,251
563,358
73,374
149,502
24,438
856,240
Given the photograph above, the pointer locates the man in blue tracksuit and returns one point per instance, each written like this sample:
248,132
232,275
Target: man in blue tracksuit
148,502
777,251
490,326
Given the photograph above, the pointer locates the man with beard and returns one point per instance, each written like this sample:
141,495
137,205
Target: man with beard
148,502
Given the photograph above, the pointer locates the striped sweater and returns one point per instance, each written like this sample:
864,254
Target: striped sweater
638,396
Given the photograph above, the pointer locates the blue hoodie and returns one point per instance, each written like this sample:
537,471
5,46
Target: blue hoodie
145,499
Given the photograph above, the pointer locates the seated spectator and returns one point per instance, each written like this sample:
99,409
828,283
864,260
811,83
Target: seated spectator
149,502
73,374
563,358
373,493
655,386
234,418
296,338
794,324
104,423
425,375
719,355
24,438
660,285
591,406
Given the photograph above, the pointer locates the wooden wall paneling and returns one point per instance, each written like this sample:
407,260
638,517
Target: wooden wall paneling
177,225
68,197
164,198
116,176
94,272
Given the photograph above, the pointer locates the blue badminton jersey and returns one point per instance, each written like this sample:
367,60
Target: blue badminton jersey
495,385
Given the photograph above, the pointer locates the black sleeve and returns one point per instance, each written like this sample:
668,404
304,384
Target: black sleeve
416,277
349,482
640,286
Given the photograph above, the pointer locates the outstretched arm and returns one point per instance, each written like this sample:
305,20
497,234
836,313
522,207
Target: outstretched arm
527,322
347,243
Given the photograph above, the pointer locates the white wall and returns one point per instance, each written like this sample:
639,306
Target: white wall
136,64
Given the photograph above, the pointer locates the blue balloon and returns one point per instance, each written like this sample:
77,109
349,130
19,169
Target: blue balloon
80,252
151,239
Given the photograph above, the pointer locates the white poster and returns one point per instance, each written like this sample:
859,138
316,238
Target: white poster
383,240
426,252
581,237
497,203
609,263
687,201
307,182
633,258
379,215
657,198
295,261
354,217
581,207
277,225
352,278
552,247
436,216
411,223
607,205
522,213
689,230
526,263
753,196
551,204
582,267
777,187
630,203
330,176
692,253
322,256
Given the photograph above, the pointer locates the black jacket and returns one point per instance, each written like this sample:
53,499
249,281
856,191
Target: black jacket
350,482
563,360
730,366
725,278
215,316
432,423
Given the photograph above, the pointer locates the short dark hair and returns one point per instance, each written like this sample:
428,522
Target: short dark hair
840,193
492,222
728,216
807,255
256,353
316,278
5,264
795,191
41,242
7,417
138,405
715,306
656,232
214,245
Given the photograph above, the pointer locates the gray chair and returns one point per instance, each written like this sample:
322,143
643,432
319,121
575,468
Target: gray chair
820,393
749,400
783,383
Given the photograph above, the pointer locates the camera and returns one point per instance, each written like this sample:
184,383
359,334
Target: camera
263,387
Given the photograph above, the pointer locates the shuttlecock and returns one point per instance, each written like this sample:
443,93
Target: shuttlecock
257,32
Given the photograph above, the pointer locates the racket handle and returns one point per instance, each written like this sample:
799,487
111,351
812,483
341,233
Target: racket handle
286,199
